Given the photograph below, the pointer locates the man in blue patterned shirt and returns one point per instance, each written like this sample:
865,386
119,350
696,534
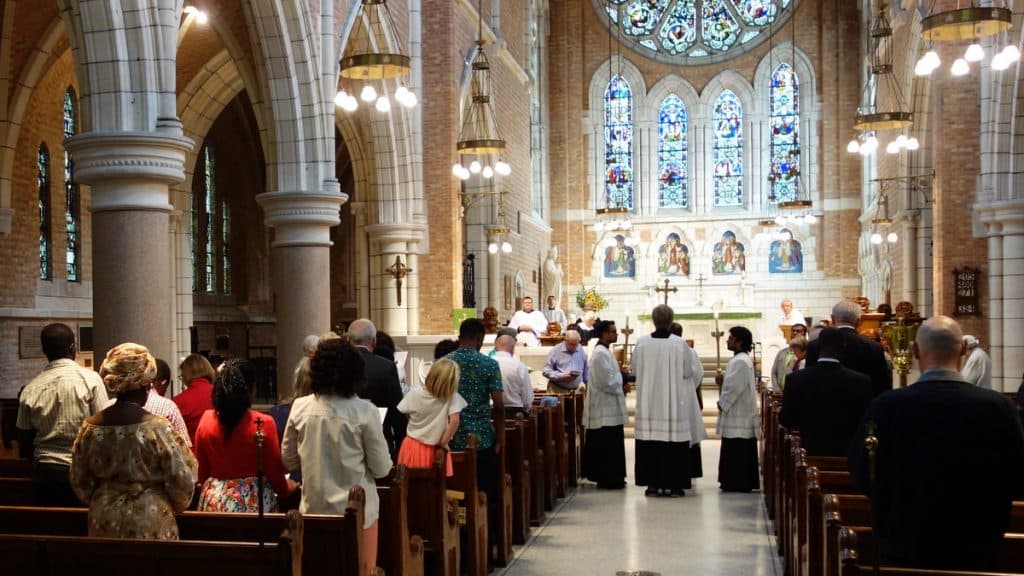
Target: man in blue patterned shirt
480,386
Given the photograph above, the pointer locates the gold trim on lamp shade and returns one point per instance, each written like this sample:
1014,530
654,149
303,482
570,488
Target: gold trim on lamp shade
882,221
375,66
795,204
499,231
612,211
966,24
480,146
883,121
767,223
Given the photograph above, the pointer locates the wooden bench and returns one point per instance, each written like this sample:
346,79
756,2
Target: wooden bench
399,553
802,517
535,454
546,425
473,536
518,465
857,554
48,555
502,548
433,517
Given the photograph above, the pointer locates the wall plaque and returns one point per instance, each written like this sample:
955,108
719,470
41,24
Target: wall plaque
966,294
29,345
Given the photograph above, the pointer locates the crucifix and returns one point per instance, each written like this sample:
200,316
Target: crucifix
398,270
666,290
700,289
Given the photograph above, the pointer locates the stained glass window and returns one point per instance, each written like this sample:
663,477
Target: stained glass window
43,181
211,231
688,30
728,150
673,181
785,133
72,200
618,143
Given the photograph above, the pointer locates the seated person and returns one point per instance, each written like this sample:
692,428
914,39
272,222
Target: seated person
529,323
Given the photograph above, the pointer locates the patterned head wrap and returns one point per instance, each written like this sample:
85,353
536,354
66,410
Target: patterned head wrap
127,367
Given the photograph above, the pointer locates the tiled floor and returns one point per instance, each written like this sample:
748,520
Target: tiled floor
597,532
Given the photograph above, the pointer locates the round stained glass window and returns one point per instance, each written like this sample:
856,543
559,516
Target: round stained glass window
694,31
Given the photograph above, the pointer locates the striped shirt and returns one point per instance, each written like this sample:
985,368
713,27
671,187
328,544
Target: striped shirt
55,403
160,406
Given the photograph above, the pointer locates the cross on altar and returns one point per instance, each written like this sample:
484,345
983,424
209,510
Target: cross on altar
666,290
700,289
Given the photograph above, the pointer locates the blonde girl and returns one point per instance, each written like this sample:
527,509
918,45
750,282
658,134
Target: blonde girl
433,412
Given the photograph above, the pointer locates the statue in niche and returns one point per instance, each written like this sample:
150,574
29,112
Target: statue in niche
619,260
553,276
673,257
729,256
785,255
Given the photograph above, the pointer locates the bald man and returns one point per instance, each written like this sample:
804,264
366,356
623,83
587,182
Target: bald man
950,461
515,376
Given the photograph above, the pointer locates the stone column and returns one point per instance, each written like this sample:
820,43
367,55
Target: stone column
390,241
301,264
1004,222
130,174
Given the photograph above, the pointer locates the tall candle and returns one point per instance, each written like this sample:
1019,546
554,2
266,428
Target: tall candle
716,321
628,314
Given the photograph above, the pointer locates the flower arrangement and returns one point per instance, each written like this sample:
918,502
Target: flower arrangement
590,296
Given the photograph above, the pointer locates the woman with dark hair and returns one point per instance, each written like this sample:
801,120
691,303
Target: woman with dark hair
737,418
337,440
226,447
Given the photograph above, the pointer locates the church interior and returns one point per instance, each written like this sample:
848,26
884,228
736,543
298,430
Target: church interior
229,176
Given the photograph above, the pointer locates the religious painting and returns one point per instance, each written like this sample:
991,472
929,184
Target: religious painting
786,255
619,259
729,256
673,257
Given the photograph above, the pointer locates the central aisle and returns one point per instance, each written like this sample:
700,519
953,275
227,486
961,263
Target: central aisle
600,532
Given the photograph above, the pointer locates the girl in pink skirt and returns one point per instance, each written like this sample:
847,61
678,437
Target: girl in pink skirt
433,412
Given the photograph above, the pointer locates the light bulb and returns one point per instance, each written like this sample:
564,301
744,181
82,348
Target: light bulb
853,147
974,53
876,238
340,98
492,248
369,94
1000,62
933,59
901,140
960,67
1011,53
410,100
810,219
502,168
487,172
474,167
913,144
464,173
892,148
401,94
456,169
923,67
506,247
892,238
383,104
202,17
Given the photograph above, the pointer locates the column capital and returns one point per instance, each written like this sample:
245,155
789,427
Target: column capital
302,218
1002,218
381,234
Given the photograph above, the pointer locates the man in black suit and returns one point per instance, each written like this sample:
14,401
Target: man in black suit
859,353
382,384
950,461
826,401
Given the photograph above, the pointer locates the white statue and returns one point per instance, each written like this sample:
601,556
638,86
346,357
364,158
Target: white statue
553,276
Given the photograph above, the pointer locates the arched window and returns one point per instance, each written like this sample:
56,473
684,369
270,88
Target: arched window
211,231
673,148
618,143
785,134
72,203
43,180
727,151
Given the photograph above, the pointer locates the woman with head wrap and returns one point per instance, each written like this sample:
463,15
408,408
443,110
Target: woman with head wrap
130,466
227,451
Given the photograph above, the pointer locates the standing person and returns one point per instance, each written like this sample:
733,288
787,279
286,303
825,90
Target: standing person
226,447
696,460
382,386
309,344
163,379
433,411
859,353
130,466
790,315
826,401
529,323
586,326
51,409
787,360
566,366
604,415
668,420
198,375
517,392
157,404
737,418
335,438
480,386
933,437
555,314
978,367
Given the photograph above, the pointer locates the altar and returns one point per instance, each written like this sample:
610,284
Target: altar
699,323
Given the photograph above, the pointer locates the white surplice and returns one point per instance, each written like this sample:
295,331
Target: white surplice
666,397
535,320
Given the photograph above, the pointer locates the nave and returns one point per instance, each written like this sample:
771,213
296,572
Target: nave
602,532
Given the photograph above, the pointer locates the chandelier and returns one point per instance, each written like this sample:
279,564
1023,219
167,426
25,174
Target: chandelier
479,139
367,61
881,222
500,232
972,23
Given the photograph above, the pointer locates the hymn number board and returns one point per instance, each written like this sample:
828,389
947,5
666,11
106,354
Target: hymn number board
966,296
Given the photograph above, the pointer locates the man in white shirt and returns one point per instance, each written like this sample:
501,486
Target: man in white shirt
515,376
554,314
529,323
791,315
50,412
978,367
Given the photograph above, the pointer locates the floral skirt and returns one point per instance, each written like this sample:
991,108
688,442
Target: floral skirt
236,495
416,454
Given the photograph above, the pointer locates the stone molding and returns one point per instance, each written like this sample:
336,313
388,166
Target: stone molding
302,218
1002,218
383,234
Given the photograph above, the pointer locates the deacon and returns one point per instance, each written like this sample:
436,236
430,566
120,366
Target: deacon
604,454
555,314
737,416
529,323
668,419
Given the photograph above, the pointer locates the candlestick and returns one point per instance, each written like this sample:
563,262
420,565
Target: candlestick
716,321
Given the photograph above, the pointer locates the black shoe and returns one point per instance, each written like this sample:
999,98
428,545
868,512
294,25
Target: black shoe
678,493
664,493
652,492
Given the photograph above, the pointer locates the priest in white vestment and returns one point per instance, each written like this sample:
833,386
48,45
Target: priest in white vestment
529,323
604,414
668,418
978,367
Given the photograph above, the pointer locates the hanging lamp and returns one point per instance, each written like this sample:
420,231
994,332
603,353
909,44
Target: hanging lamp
369,60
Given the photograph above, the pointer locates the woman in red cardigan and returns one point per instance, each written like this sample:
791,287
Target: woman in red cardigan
225,446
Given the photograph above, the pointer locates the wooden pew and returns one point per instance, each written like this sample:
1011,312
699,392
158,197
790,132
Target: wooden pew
535,454
518,465
802,517
473,538
857,554
399,553
47,555
546,426
432,516
558,432
573,413
502,548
